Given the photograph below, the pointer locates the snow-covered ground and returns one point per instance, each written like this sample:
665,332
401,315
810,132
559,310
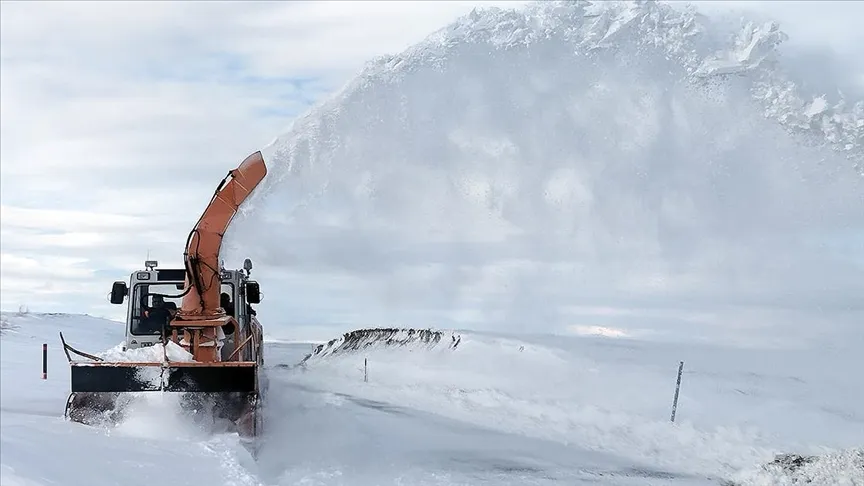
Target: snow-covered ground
738,408
492,409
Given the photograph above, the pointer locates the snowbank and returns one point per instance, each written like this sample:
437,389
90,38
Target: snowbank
372,339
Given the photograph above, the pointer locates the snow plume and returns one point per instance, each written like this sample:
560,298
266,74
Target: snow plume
840,125
570,166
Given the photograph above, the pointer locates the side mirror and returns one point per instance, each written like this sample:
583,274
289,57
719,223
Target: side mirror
118,291
253,292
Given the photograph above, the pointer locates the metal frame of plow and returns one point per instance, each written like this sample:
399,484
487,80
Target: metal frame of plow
108,376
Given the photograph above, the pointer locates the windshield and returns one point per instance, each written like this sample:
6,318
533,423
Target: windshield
152,310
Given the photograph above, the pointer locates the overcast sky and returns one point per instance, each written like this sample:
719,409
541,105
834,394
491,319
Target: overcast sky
118,119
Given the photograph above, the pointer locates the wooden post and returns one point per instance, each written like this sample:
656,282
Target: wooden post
677,388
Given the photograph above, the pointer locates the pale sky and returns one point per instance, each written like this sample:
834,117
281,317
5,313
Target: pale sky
119,118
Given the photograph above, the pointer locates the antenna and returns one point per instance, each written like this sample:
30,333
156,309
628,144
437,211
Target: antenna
150,264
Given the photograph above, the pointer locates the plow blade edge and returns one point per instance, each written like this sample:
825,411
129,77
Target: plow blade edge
140,377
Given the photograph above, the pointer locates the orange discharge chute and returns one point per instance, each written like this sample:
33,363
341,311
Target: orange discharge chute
201,314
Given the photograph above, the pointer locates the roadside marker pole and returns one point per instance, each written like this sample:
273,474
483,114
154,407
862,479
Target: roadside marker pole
677,388
44,361
365,370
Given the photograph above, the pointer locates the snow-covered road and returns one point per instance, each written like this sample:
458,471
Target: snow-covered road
339,438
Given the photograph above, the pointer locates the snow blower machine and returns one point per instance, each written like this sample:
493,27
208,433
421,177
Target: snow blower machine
189,330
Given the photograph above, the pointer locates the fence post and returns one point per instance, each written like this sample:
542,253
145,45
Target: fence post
677,388
44,361
365,370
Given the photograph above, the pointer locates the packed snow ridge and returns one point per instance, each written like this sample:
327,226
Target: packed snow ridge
362,339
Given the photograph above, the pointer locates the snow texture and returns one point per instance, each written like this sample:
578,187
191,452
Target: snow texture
843,467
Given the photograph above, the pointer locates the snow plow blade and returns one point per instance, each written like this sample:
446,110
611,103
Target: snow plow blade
226,391
234,376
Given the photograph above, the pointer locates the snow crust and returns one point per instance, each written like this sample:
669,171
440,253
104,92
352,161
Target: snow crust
365,339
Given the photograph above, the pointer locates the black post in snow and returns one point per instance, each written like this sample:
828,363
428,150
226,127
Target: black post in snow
677,388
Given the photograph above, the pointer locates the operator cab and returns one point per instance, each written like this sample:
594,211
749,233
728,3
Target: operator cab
155,297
